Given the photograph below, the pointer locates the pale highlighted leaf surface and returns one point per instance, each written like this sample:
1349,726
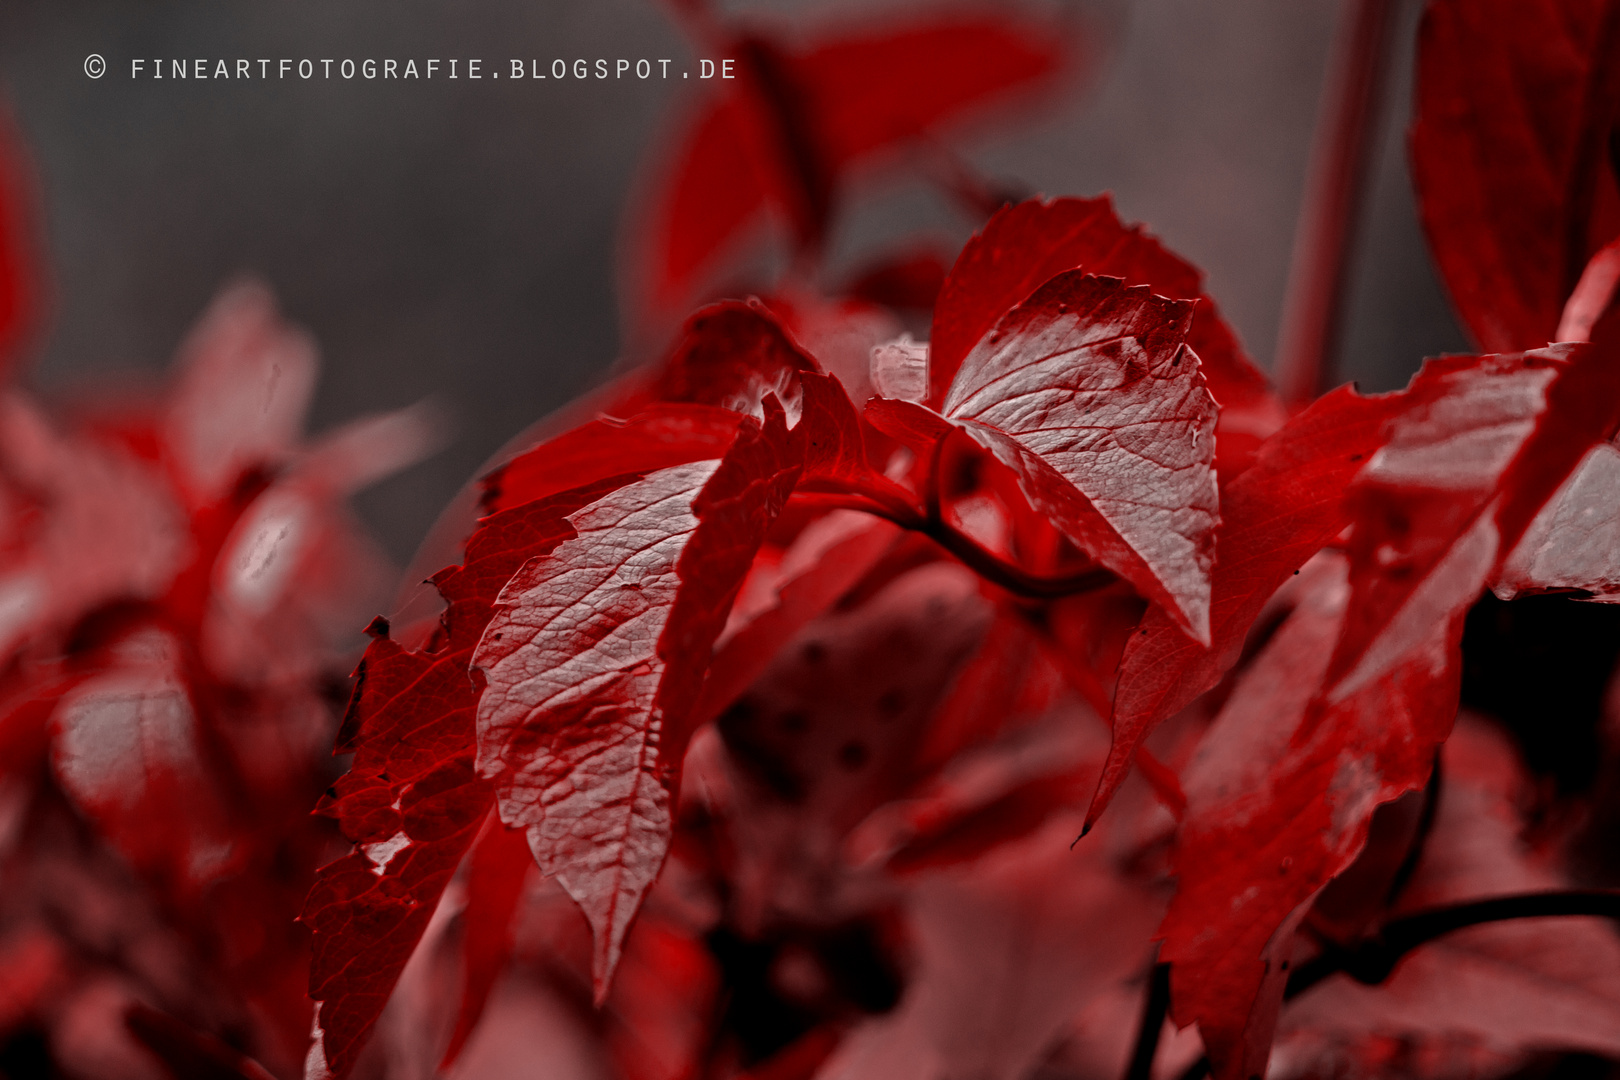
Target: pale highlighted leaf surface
1274,517
411,801
1573,545
593,661
1088,392
1024,246
1465,472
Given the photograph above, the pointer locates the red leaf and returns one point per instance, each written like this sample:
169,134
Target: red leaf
1027,245
835,444
411,801
656,438
1008,681
1457,485
1493,991
734,355
1008,953
1510,155
1273,518
594,658
1592,295
106,528
715,191
1278,802
1571,545
990,795
797,122
824,562
1483,444
1087,391
872,92
130,751
663,1003
186,1052
910,280
239,399
833,730
496,870
727,360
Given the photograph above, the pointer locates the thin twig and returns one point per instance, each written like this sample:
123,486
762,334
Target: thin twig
933,524
1345,138
1155,1009
1015,579
1371,961
987,564
982,561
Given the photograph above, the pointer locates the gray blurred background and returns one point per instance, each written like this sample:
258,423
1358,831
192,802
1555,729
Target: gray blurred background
457,240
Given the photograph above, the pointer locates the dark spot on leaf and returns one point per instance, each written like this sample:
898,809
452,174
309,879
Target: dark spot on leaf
853,755
891,703
795,722
814,652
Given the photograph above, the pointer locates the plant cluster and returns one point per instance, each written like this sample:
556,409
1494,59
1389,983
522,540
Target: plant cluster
1044,698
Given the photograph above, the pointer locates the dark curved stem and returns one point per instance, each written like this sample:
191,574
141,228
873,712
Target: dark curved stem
932,524
987,564
877,501
1014,579
1372,960
1154,1011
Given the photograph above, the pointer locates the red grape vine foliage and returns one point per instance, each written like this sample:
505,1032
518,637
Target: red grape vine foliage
955,707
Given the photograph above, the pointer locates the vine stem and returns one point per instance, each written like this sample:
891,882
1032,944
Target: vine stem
1015,579
1371,961
1334,193
1155,1008
931,523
